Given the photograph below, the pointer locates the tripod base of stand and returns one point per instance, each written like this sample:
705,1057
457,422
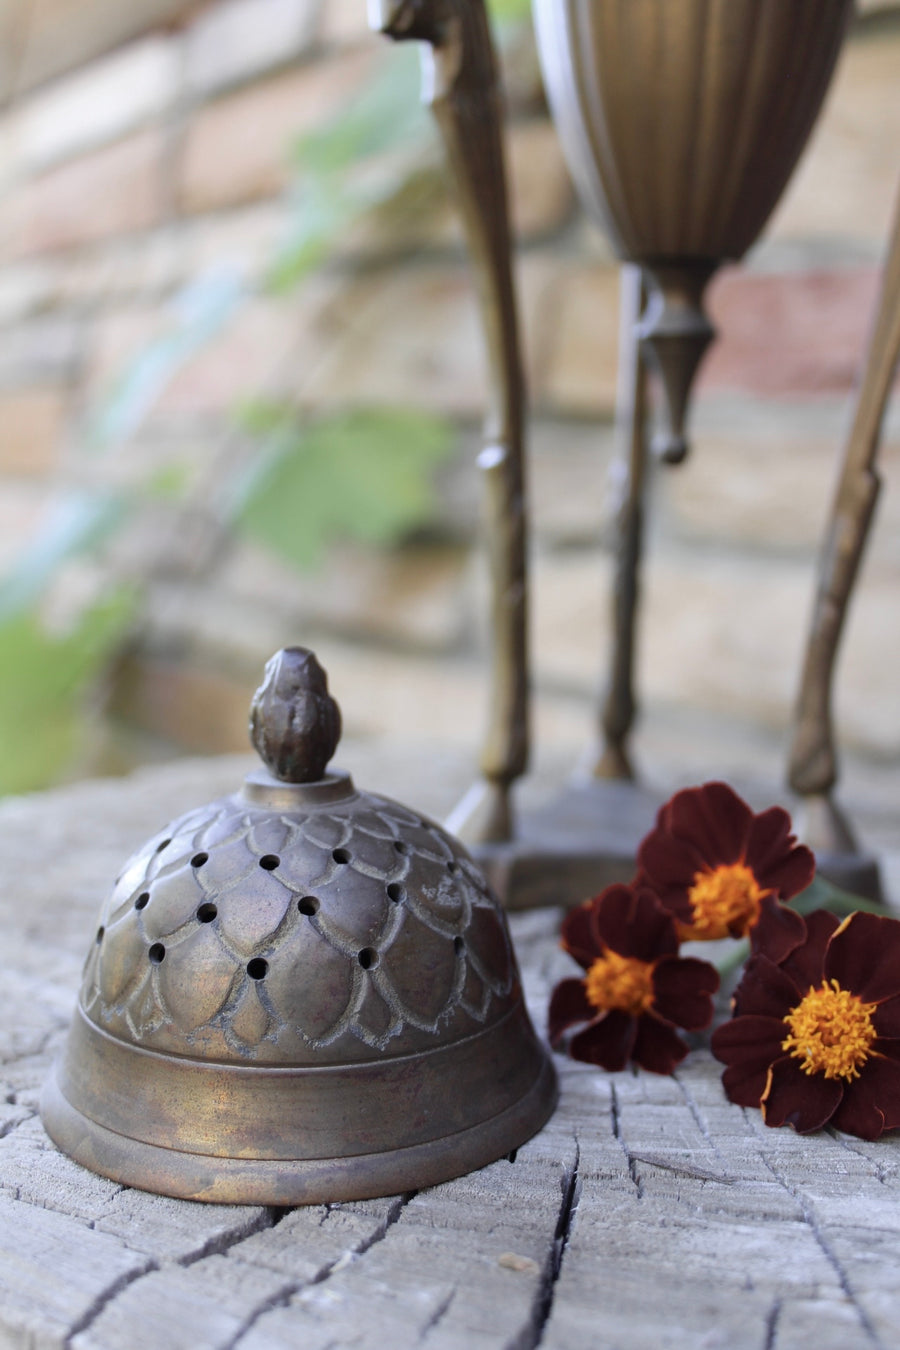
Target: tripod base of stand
587,837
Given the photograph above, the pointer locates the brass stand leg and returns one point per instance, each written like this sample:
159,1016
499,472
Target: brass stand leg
461,84
619,705
813,768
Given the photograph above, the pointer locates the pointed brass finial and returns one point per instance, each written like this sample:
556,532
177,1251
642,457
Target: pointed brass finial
295,724
675,333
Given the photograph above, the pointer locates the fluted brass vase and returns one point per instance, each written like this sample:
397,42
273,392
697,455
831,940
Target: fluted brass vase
682,121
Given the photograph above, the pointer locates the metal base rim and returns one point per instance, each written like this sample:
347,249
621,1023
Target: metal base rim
250,1181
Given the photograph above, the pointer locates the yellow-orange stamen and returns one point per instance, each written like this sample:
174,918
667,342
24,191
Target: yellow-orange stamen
615,981
831,1032
724,901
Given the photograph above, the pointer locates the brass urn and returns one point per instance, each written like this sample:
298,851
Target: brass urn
682,121
297,994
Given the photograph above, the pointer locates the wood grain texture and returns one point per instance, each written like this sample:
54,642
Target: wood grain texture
649,1212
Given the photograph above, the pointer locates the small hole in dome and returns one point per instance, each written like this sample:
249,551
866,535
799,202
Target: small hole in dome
269,862
165,844
206,913
395,892
309,906
452,867
199,859
458,946
341,855
100,932
368,958
143,900
400,846
257,969
157,953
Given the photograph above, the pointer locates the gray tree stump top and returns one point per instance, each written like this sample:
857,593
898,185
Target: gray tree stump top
649,1213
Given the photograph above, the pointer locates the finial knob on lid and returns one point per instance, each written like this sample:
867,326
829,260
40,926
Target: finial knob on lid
295,724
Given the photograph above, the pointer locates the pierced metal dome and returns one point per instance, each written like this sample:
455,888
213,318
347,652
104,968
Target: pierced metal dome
299,993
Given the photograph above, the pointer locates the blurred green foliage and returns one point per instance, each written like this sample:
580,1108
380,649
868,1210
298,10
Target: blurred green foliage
44,681
363,474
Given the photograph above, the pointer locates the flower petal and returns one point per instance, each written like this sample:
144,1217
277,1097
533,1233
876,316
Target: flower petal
748,1045
778,862
792,1097
806,964
668,865
765,990
714,819
568,1006
886,1019
578,935
633,923
745,1038
777,931
657,1047
682,991
607,1042
864,956
613,912
871,1102
745,1084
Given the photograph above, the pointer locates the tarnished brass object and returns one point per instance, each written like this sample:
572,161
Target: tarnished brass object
461,84
813,763
301,993
682,121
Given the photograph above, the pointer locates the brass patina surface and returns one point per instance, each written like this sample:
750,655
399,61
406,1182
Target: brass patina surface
297,994
461,85
813,768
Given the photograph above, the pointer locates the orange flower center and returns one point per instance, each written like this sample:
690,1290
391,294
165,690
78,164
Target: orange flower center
831,1032
615,981
723,901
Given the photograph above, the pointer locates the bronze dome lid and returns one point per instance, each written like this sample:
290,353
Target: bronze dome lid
299,993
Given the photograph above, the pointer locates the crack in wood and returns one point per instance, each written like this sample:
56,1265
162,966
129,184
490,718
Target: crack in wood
438,1315
682,1170
772,1324
878,1169
614,1114
282,1297
7,1126
699,1119
220,1243
810,1218
108,1296
543,1304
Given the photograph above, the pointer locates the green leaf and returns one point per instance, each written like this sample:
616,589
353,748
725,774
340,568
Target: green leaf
384,115
336,184
361,475
509,11
44,680
823,894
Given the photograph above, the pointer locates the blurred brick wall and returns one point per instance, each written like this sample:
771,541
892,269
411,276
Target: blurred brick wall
123,181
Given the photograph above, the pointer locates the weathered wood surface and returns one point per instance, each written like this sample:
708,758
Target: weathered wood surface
649,1213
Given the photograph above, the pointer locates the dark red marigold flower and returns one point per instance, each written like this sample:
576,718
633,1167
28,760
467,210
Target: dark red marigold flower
636,989
815,1036
717,866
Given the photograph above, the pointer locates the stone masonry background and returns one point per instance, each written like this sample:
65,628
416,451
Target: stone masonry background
164,154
